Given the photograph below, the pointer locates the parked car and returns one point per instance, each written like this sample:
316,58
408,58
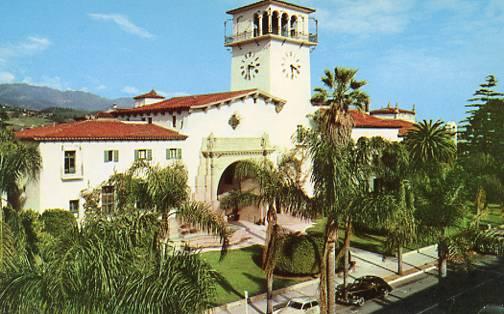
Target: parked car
491,309
362,289
306,305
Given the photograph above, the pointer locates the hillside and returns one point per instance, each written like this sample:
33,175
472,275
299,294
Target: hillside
38,97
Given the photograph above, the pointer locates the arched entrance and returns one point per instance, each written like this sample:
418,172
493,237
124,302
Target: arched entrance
219,156
230,194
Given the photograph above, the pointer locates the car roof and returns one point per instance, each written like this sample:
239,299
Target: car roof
303,299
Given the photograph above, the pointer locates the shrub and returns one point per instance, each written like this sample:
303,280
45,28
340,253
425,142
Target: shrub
299,255
490,242
57,222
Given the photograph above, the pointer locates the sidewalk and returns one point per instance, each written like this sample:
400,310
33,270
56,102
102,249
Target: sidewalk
368,263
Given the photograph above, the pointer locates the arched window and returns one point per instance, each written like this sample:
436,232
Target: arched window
256,25
285,25
274,23
238,24
293,26
265,23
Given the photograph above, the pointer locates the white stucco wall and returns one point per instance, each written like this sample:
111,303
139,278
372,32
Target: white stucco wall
388,134
400,116
257,118
52,190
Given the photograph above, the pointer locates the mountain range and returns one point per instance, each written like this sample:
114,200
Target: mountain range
39,97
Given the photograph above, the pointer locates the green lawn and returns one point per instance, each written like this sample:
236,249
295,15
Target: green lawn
494,215
365,241
242,272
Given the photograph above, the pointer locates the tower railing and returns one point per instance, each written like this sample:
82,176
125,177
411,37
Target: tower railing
246,35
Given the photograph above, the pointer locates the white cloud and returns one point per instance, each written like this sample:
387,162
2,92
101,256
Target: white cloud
123,22
365,17
27,47
48,81
129,90
6,77
101,87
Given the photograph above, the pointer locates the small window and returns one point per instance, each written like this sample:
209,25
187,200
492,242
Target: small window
107,199
173,153
174,121
73,206
143,154
111,156
70,156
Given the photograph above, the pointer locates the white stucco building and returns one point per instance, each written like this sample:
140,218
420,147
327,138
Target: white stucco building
271,43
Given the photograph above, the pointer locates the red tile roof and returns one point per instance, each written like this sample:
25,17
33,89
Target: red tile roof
391,111
99,130
151,94
194,101
363,120
104,114
284,4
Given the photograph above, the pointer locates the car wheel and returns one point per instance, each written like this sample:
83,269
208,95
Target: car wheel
360,301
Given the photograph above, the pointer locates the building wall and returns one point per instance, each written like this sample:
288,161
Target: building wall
388,134
53,189
400,116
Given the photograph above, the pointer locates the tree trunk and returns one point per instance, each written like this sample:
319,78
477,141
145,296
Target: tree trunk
14,197
269,293
327,270
346,247
399,260
271,217
269,255
442,259
323,280
164,233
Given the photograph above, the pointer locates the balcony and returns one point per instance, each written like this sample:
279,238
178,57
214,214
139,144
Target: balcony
310,39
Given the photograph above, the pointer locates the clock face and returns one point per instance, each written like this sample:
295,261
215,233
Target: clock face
249,67
291,67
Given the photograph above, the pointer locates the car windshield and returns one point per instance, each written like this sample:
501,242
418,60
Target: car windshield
295,305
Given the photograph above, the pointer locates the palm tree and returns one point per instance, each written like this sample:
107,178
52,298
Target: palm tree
332,176
401,228
276,187
440,204
341,91
167,192
430,145
109,266
17,161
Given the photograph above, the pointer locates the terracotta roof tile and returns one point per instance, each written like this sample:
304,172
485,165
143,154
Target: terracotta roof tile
99,130
362,120
188,102
391,111
151,94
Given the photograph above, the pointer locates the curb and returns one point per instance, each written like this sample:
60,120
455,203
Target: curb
414,274
420,250
262,296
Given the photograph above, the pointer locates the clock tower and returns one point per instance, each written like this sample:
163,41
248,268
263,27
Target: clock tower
271,43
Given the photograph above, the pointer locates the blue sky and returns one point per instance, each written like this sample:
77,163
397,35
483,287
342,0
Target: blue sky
432,53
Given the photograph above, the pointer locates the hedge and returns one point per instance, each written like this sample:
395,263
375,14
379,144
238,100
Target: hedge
299,255
58,221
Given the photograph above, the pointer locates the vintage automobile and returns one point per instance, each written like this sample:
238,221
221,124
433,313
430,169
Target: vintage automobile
362,289
305,305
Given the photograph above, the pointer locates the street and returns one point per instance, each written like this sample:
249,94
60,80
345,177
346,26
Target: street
462,292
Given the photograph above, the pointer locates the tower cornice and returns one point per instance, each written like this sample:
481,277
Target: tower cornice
268,2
